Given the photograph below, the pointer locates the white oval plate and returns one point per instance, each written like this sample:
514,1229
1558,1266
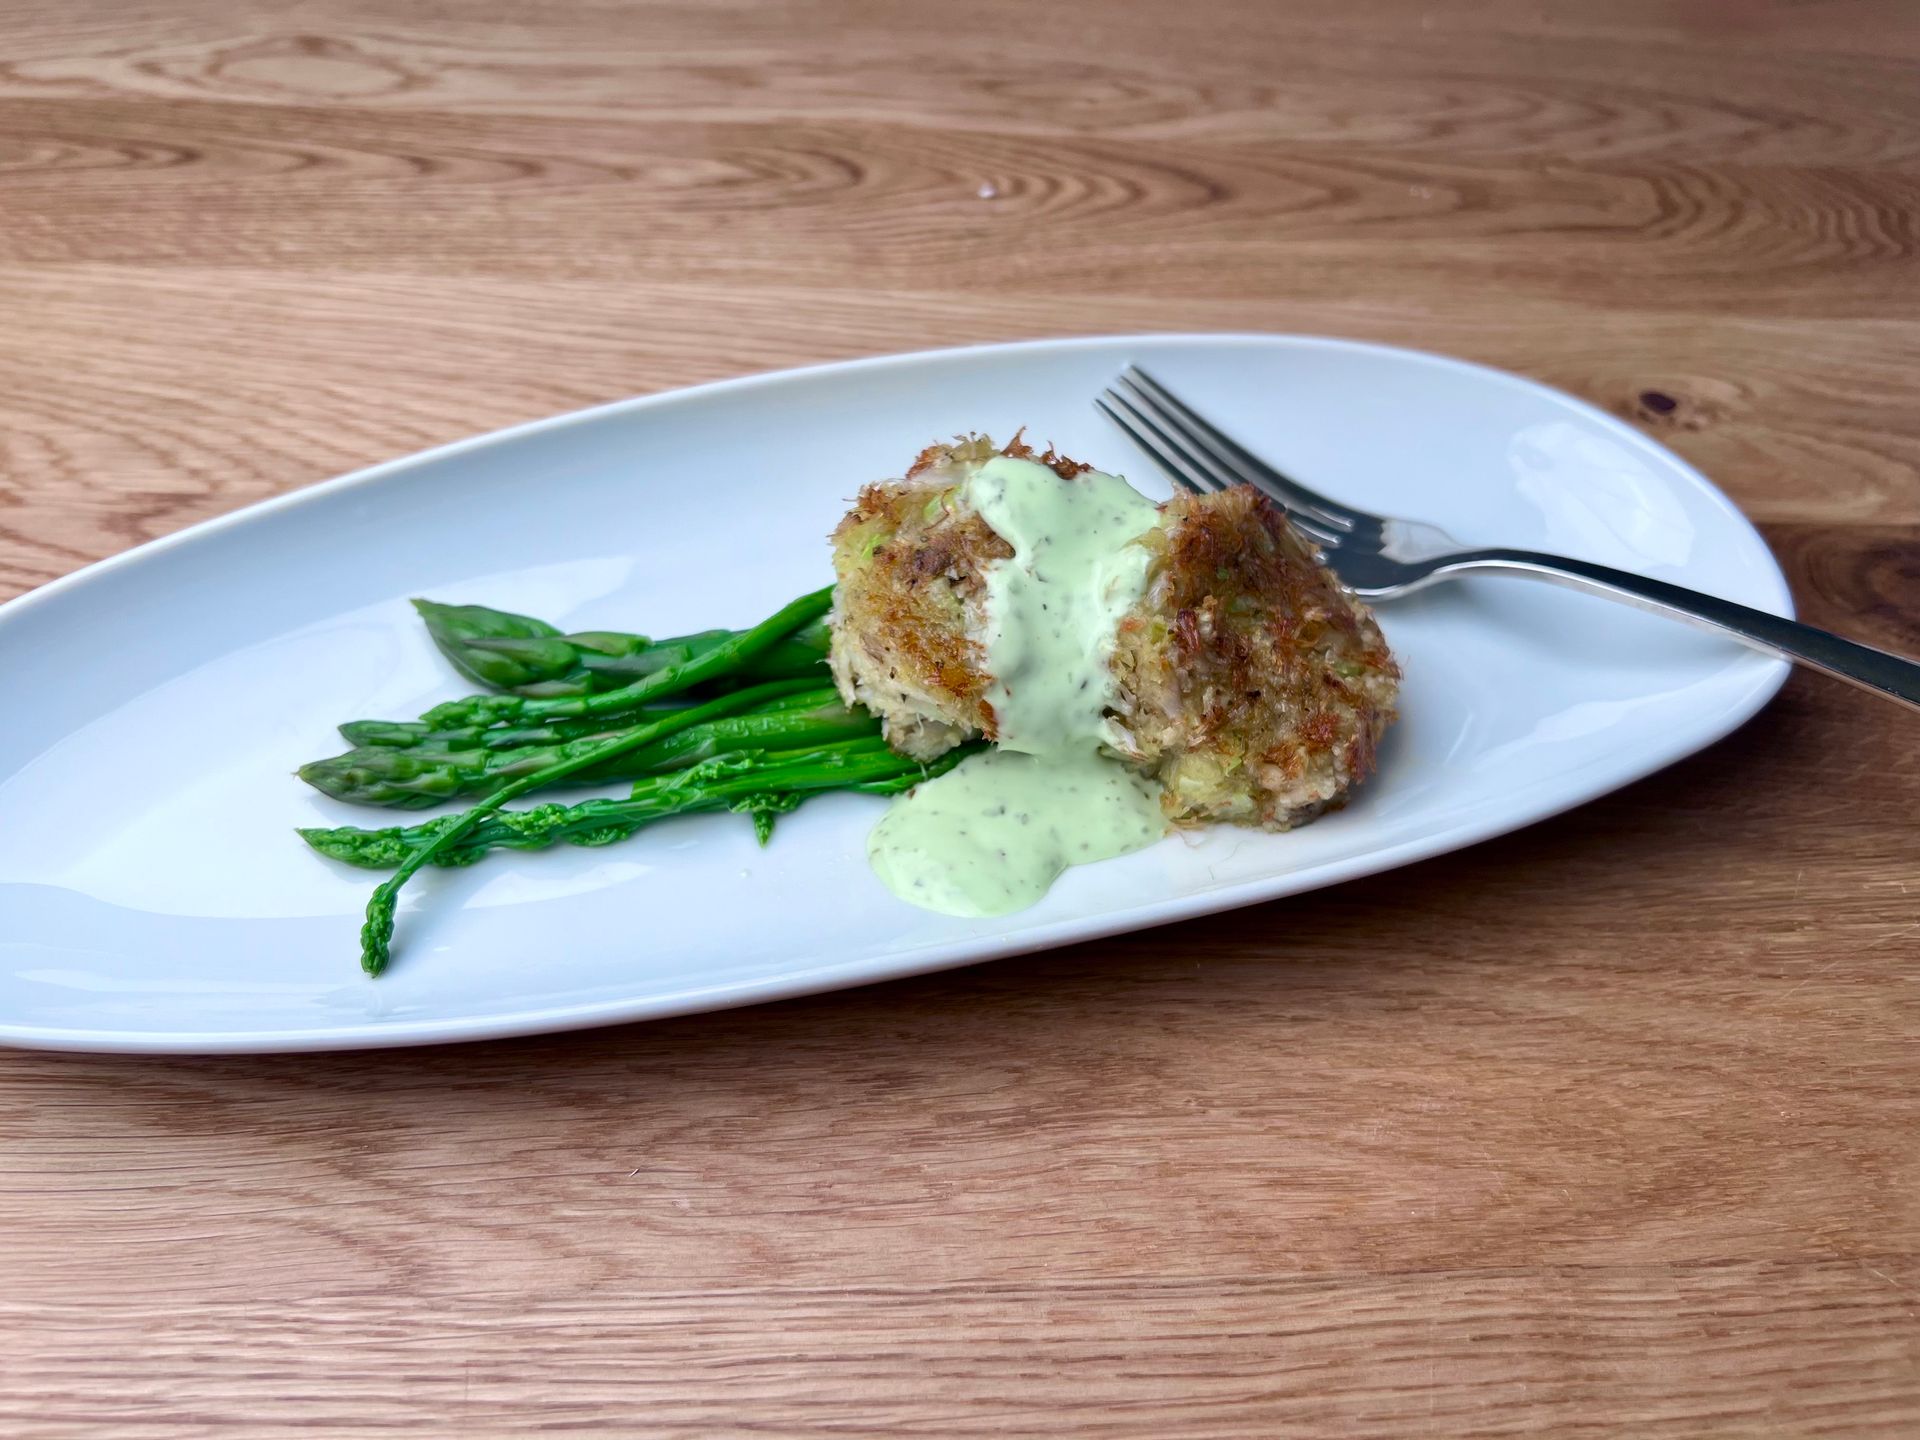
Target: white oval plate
153,896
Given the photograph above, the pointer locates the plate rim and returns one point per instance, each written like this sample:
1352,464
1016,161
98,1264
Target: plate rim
1768,677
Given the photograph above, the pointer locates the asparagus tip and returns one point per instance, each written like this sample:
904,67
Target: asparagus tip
376,936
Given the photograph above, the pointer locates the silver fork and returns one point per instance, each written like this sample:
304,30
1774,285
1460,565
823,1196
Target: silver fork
1378,556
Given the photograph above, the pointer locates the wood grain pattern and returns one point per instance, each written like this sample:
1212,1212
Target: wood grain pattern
1605,1128
1488,1351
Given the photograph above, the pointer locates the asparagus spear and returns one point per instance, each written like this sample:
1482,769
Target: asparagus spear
525,656
724,659
416,778
416,735
609,663
413,735
754,781
499,649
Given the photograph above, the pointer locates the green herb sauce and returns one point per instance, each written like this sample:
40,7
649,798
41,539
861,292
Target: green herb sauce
994,833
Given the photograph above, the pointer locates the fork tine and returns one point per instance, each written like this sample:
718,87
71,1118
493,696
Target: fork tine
1176,472
1190,470
1236,459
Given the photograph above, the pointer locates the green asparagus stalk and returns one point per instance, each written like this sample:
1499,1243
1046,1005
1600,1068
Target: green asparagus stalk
609,663
529,657
418,736
753,781
413,735
417,778
723,660
498,649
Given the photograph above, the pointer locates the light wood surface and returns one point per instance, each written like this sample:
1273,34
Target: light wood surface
1608,1128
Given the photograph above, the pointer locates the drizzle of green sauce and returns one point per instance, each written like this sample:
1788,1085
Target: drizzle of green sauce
993,834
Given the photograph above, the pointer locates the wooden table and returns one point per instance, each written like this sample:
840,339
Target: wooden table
1605,1128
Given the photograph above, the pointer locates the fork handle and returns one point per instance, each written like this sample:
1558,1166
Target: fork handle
1877,670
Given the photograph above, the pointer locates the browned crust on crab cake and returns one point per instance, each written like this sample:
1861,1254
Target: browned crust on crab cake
1251,684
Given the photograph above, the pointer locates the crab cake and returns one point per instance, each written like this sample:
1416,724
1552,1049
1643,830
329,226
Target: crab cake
1249,682
1246,680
